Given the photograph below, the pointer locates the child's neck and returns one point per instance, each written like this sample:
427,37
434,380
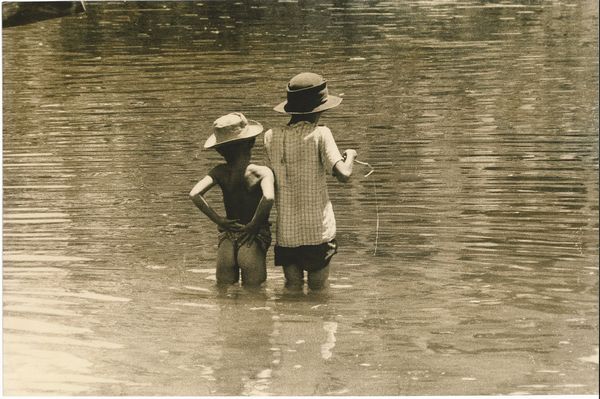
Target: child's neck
310,118
241,161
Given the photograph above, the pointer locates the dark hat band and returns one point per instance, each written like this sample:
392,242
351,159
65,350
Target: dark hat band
306,99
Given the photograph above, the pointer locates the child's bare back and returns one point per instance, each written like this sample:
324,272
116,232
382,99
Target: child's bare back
241,193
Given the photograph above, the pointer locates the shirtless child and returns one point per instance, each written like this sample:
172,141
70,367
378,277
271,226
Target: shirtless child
248,196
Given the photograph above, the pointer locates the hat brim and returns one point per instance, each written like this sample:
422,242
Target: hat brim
331,102
252,129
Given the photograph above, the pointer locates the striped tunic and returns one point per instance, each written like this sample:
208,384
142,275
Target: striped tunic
301,156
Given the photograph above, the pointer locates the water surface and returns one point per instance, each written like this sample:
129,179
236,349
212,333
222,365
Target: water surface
480,118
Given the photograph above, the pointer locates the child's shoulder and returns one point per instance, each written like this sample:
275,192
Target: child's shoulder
323,133
259,170
218,171
323,128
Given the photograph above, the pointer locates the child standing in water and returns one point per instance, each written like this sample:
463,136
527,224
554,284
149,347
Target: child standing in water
248,195
301,155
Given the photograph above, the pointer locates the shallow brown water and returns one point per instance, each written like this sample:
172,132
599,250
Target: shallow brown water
480,118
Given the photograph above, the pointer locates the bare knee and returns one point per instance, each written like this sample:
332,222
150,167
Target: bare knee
227,270
252,262
294,276
318,280
253,279
255,274
227,274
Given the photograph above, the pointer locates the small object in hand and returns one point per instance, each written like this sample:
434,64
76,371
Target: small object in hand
366,164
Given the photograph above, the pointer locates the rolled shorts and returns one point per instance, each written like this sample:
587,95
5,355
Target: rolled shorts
263,238
309,257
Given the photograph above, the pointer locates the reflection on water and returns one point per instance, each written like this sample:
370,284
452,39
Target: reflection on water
480,119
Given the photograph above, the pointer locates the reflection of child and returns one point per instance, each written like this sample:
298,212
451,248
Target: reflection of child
301,155
248,191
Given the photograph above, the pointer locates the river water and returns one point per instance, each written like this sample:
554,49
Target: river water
468,260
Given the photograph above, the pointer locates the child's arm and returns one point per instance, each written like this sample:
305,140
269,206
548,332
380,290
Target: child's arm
342,170
336,164
197,197
261,215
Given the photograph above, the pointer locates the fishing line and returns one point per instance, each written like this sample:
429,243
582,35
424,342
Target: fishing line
367,165
376,201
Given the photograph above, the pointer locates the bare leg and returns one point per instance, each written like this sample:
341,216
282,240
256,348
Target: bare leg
227,270
252,262
319,279
294,277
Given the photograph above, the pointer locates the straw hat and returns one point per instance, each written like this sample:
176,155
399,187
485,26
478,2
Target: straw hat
232,127
307,93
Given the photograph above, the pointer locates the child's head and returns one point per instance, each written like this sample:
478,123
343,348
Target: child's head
233,133
232,151
307,94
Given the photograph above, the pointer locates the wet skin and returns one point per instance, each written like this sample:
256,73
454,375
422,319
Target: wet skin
241,190
248,195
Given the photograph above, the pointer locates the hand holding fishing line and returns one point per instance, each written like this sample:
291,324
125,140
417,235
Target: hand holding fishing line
355,155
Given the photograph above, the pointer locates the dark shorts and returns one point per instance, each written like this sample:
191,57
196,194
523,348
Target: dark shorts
309,257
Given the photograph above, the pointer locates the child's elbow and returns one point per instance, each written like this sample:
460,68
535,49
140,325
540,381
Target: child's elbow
343,176
269,199
342,172
194,194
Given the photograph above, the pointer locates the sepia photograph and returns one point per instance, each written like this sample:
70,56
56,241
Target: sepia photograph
297,198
